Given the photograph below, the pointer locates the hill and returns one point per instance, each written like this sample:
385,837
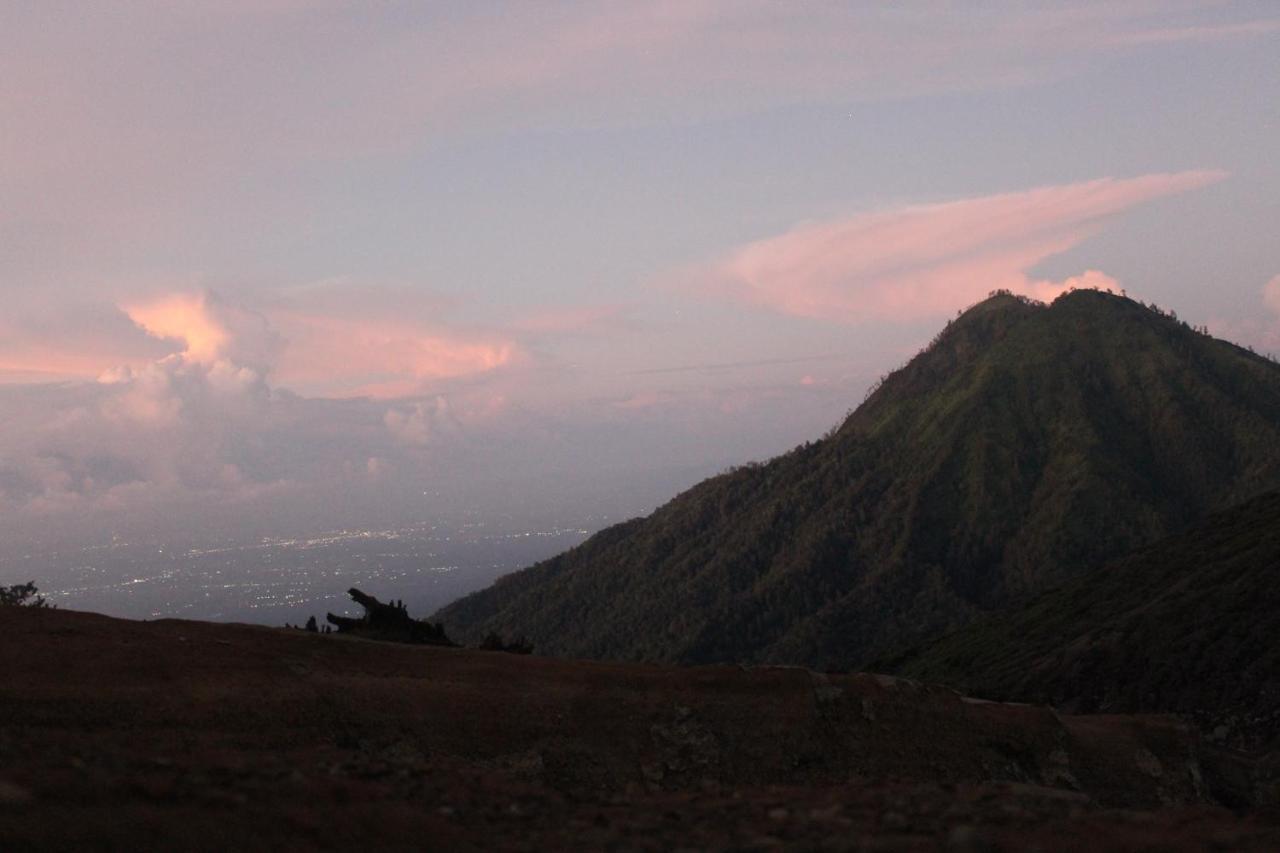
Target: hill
1026,444
198,736
1186,625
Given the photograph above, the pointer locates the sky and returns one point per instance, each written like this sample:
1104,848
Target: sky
273,265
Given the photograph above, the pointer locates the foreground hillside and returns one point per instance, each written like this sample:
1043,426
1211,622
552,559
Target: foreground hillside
121,735
1187,625
1027,444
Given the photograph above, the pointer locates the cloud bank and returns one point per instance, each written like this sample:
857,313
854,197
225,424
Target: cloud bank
182,436
343,340
184,402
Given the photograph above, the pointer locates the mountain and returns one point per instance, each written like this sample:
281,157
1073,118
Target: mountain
1186,625
1026,444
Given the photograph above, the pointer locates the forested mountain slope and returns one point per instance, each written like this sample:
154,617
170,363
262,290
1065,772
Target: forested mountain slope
1026,444
1187,625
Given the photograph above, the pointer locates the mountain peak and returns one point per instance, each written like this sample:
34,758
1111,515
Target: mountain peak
1024,445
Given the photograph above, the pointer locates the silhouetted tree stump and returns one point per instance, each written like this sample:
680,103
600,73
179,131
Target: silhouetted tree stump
388,622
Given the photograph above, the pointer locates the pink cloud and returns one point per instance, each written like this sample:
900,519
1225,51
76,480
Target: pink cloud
333,341
1271,294
66,343
365,357
209,329
344,338
185,317
918,262
49,363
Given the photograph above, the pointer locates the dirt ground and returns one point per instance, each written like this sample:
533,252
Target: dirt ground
140,735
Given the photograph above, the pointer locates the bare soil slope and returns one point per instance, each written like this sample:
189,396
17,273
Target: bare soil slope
127,735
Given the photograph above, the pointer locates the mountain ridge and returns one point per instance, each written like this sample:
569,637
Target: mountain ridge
1026,443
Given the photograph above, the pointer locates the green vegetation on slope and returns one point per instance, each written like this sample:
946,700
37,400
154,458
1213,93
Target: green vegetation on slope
1026,444
1186,625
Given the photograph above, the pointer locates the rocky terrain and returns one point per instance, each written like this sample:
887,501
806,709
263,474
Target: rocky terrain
119,735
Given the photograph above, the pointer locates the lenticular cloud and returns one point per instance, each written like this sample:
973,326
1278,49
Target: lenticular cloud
919,262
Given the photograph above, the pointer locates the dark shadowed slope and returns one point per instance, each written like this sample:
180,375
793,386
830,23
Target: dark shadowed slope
1026,444
1186,625
120,735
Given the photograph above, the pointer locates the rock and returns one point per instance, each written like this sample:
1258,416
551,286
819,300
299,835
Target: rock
13,795
966,839
823,690
1149,764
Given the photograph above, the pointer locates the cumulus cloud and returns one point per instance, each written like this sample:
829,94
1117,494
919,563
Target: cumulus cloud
918,262
186,403
187,409
172,428
209,329
186,318
171,442
420,422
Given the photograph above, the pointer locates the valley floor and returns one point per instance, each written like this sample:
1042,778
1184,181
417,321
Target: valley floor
127,735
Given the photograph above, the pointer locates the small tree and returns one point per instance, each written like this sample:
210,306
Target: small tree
21,595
